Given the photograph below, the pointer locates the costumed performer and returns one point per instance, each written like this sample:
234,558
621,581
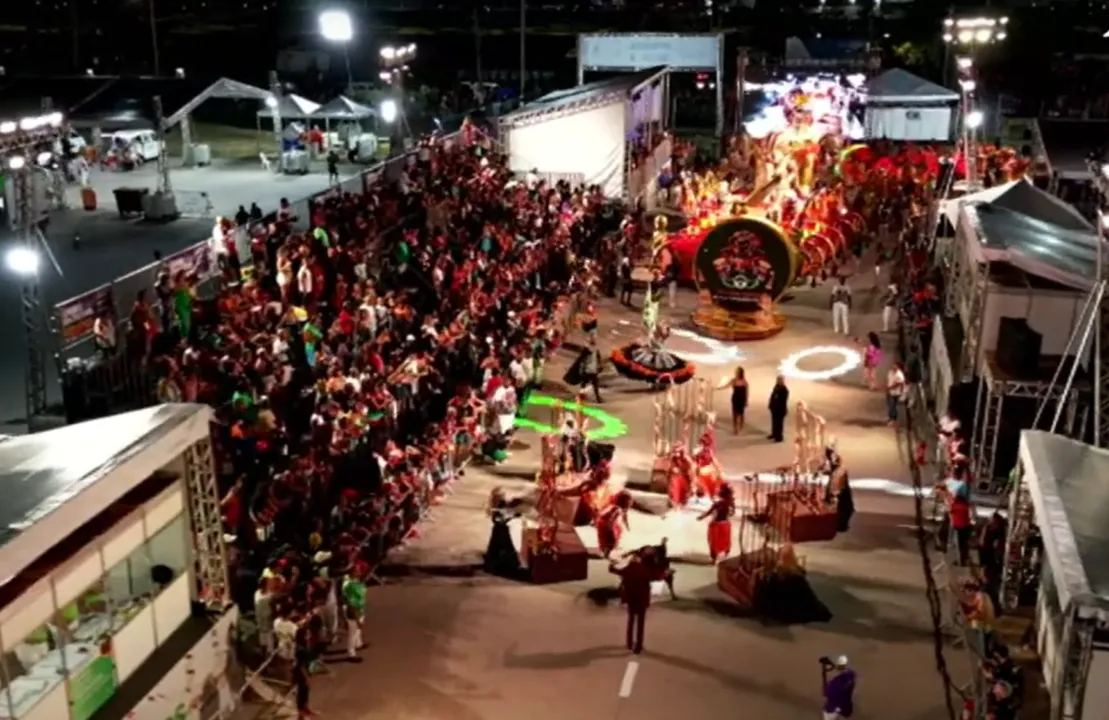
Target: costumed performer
656,559
500,555
708,472
612,521
680,476
720,526
838,490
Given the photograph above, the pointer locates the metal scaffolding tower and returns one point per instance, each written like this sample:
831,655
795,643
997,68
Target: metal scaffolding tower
207,525
30,295
1100,174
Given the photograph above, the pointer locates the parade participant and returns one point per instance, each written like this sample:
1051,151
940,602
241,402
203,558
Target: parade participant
841,307
656,558
872,358
839,690
708,472
739,400
612,521
779,408
720,526
680,476
586,370
635,593
838,490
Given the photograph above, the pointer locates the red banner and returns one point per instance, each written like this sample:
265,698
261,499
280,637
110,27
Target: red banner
76,316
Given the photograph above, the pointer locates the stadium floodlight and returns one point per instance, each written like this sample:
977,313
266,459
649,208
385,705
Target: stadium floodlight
17,162
23,261
968,86
389,110
336,26
964,63
271,101
972,31
975,118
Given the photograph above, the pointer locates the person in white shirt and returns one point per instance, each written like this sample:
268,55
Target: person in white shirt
895,391
889,308
104,334
841,307
304,282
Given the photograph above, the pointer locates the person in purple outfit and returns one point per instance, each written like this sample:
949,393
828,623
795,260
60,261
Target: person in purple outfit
839,690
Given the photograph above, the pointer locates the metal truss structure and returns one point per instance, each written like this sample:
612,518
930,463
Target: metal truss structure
207,525
988,408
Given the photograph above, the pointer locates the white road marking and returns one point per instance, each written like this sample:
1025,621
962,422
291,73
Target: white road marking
628,683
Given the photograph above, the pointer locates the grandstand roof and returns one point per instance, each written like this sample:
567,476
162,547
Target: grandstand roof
1066,481
54,482
585,96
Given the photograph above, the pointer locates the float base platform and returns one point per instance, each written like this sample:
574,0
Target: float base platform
732,325
800,517
570,562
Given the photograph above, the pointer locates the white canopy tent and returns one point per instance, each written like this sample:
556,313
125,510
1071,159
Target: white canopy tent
222,89
902,106
343,108
1065,482
291,107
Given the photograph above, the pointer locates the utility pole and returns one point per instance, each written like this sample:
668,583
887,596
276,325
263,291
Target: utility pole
477,45
1100,358
740,88
523,47
153,37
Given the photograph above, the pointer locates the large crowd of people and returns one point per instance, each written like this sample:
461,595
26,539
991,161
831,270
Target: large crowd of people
360,362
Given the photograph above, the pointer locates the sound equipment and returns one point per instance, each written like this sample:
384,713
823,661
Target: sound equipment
1018,347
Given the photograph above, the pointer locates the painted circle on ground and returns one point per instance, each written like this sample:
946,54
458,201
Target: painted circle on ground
849,360
611,426
745,259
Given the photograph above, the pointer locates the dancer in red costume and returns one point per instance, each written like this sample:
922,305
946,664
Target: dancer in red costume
720,526
612,521
681,476
708,469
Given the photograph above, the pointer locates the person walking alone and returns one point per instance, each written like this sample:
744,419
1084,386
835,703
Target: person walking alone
839,691
841,307
779,408
635,593
889,308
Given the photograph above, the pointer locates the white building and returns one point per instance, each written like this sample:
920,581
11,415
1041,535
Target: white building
901,106
587,134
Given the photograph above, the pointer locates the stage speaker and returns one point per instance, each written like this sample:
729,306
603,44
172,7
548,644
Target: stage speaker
1018,347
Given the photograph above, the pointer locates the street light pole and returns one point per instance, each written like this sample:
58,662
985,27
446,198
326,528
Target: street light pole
154,38
523,47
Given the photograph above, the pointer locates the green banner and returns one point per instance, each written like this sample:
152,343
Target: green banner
92,687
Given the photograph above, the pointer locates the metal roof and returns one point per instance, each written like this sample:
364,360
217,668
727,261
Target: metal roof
900,85
54,482
585,96
1066,481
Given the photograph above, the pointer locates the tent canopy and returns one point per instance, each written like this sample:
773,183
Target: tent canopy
1025,198
56,481
897,85
222,89
1066,482
1067,257
343,108
291,107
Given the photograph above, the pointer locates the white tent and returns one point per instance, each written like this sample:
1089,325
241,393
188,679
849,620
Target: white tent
225,89
1025,198
343,108
902,106
291,107
581,134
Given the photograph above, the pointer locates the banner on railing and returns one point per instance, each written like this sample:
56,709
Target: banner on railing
198,260
77,315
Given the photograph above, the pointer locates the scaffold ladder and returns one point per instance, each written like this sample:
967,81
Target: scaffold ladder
207,525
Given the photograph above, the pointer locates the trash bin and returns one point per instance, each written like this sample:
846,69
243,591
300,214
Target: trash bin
129,201
88,198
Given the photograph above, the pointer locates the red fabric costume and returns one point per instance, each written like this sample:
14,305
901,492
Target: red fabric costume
708,474
681,476
611,523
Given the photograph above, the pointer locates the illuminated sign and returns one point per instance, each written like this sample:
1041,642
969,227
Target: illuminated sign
639,51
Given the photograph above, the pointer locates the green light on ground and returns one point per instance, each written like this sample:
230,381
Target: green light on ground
611,427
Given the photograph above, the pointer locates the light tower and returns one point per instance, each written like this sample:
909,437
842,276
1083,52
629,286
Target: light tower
968,36
395,60
20,144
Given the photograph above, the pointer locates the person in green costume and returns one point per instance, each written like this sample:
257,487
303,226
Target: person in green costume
322,237
354,596
183,295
